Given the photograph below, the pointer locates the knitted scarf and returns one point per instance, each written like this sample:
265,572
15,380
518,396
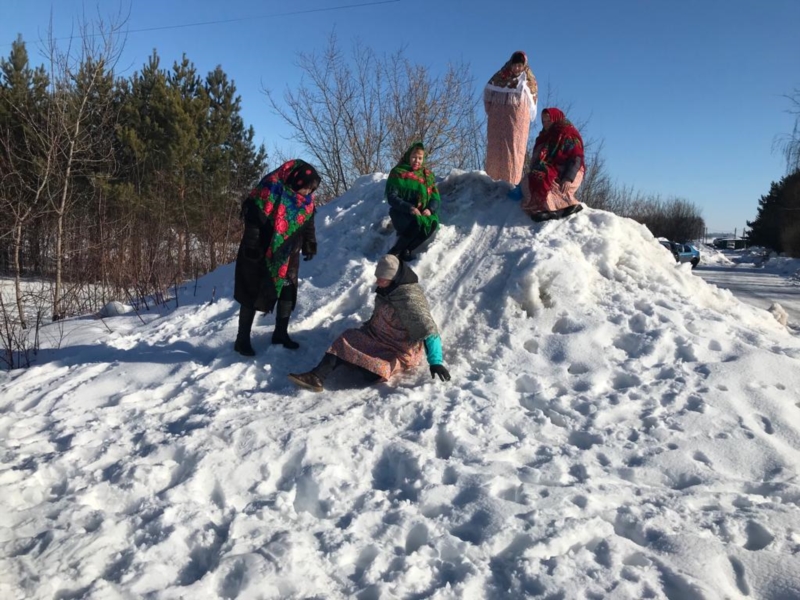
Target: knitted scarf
554,146
286,210
506,88
418,186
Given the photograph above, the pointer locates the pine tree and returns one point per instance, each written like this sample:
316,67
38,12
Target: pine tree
777,224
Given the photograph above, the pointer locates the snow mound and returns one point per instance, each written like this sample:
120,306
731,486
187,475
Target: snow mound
114,309
615,428
780,314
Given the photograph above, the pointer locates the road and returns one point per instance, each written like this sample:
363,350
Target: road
757,287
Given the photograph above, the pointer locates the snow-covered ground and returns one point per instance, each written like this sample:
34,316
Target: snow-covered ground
755,277
616,427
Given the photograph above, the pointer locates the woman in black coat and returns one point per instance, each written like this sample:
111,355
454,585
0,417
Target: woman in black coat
278,225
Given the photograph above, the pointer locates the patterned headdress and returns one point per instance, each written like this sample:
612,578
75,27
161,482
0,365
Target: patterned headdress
286,210
504,85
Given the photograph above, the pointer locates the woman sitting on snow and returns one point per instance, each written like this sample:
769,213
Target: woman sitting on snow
413,200
557,168
392,340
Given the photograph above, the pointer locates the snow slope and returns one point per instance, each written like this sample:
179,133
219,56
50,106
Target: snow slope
615,428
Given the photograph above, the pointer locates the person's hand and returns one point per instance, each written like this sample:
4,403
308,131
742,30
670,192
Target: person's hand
426,212
415,211
309,250
440,370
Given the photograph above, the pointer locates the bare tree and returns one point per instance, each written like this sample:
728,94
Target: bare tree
358,115
27,191
597,189
440,111
75,74
315,113
790,144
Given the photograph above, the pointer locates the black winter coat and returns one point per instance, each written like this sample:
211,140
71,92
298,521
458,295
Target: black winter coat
253,287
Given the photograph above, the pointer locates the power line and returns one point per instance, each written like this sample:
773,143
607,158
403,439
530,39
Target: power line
239,19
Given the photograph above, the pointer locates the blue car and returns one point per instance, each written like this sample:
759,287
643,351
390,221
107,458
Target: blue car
682,252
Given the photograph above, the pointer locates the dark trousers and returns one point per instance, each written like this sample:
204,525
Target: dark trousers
247,314
330,362
410,239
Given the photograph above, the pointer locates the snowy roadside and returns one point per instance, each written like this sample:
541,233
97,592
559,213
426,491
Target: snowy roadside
755,278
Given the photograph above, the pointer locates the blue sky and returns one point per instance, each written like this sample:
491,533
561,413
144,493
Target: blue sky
687,96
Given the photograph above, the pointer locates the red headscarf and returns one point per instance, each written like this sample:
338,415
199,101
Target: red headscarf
554,147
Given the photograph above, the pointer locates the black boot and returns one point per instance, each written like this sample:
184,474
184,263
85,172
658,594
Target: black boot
571,210
281,334
406,244
242,344
401,246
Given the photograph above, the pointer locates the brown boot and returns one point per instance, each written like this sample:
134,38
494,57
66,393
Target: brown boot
307,380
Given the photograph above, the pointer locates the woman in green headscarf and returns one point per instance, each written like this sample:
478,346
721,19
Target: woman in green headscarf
413,200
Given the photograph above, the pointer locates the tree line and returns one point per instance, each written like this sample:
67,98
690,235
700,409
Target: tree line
124,184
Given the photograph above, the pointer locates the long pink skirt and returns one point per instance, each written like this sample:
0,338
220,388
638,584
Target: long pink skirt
380,346
555,200
507,140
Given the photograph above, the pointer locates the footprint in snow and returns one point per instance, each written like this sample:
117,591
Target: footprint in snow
696,404
702,458
739,573
767,424
758,537
445,444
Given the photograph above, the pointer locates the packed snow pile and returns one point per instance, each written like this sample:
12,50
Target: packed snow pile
615,428
710,256
780,314
114,309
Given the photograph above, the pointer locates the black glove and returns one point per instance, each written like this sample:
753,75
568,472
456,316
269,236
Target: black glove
309,250
439,370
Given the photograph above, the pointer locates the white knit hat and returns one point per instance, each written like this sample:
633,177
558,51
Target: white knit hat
387,267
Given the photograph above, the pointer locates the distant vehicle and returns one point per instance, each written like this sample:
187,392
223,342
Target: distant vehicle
730,243
682,252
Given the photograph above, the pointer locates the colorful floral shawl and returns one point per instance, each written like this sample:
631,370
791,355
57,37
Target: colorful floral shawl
553,148
506,88
419,187
286,210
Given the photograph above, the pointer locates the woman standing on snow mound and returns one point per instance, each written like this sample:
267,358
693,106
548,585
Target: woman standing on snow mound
392,340
510,100
557,168
413,200
278,224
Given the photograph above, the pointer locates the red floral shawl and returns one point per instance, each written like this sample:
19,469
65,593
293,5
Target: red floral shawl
286,210
553,148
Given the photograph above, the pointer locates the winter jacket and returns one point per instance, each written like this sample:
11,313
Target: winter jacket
253,286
